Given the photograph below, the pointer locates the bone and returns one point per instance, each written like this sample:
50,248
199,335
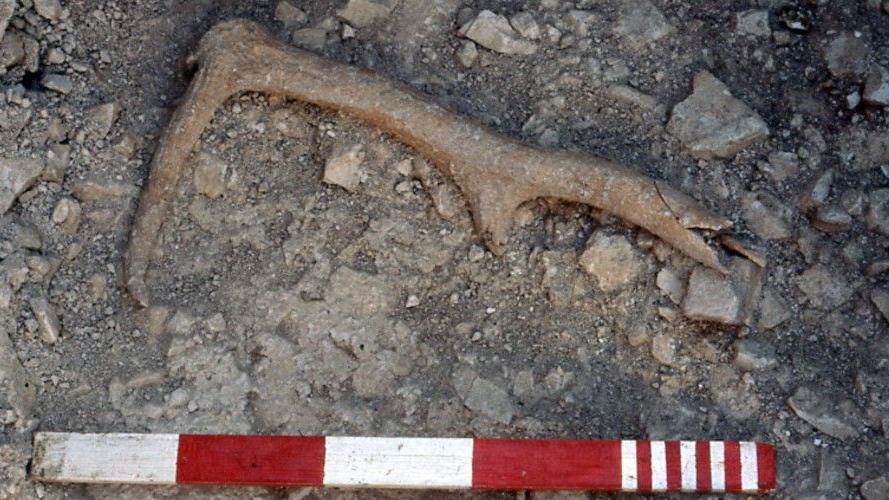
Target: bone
495,173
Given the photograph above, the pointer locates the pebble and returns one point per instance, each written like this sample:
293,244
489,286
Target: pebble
467,54
641,23
290,15
490,400
7,9
611,260
821,414
880,298
824,289
753,355
209,175
361,13
663,349
846,55
669,282
16,388
877,214
773,311
101,118
875,489
12,50
712,123
50,326
50,10
343,167
95,190
412,301
711,296
753,22
831,219
67,214
60,83
781,165
16,175
818,190
310,38
765,216
876,87
494,32
526,25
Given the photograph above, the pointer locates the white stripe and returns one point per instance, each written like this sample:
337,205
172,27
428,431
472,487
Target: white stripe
628,476
398,462
105,458
658,466
749,470
687,458
717,465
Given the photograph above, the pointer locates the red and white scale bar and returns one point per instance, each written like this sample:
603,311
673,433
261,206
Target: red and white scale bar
378,462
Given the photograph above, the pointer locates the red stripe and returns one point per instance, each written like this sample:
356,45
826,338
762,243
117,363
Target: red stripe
643,465
765,463
250,460
546,464
702,457
674,466
732,467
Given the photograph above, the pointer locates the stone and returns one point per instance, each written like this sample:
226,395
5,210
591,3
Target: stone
467,54
877,215
526,25
821,414
846,55
7,9
611,260
290,15
50,10
781,166
711,296
669,282
817,191
753,22
101,118
853,202
67,214
343,167
875,489
880,298
493,31
12,50
361,13
876,87
773,311
824,289
488,399
629,95
59,83
712,123
580,21
641,23
753,355
16,175
765,216
47,319
17,391
832,219
97,190
209,175
663,349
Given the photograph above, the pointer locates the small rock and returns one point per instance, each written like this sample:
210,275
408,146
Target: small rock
16,175
641,23
877,214
831,218
94,190
629,95
669,281
55,56
580,22
818,190
67,214
101,118
361,13
781,166
712,297
846,55
493,32
412,301
60,83
288,14
753,22
663,349
7,9
753,355
467,54
821,414
875,489
12,50
877,267
50,327
209,175
853,100
880,298
824,289
526,25
490,400
16,388
310,38
612,260
712,123
343,167
765,216
50,10
56,163
876,87
773,311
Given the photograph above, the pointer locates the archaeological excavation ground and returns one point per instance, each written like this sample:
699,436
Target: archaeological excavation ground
619,219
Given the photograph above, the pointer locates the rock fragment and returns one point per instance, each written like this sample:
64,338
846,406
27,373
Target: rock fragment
612,260
754,355
818,190
59,83
494,32
876,87
875,489
753,22
7,9
343,167
781,166
821,414
663,349
67,214
712,123
209,176
880,299
361,13
12,50
765,216
669,281
711,296
485,397
288,14
467,54
101,118
50,10
824,289
773,311
641,23
47,319
16,175
526,25
96,190
846,55
16,390
832,218
877,214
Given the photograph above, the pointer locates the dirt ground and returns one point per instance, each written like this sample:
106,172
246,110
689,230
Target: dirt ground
290,305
